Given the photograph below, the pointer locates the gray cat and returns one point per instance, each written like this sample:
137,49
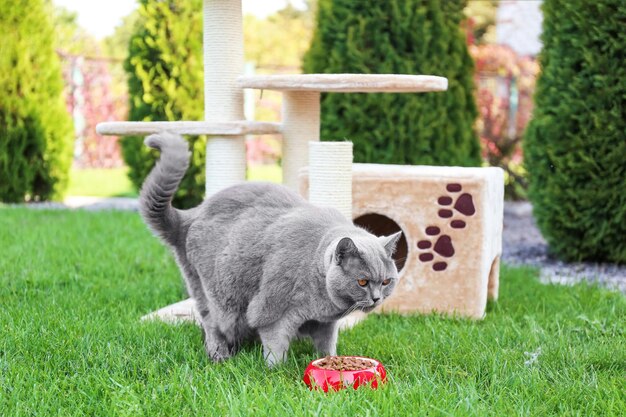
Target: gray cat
260,261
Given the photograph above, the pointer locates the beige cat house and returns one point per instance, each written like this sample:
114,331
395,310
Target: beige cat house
451,219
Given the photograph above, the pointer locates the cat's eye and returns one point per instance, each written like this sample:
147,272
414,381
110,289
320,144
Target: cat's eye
363,282
387,281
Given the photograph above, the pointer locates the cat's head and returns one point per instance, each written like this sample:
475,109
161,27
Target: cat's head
362,272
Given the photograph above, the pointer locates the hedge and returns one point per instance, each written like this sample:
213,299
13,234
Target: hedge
165,71
575,145
402,37
36,134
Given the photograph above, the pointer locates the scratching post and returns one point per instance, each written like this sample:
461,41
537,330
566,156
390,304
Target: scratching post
225,163
223,99
301,125
330,170
330,173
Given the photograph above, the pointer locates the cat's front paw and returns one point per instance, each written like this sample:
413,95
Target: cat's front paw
217,352
273,360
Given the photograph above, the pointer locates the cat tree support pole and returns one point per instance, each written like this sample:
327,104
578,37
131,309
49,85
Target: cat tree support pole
330,185
301,125
223,98
330,175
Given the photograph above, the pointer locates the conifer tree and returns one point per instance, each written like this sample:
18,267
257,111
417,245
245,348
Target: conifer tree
401,37
575,145
166,84
35,129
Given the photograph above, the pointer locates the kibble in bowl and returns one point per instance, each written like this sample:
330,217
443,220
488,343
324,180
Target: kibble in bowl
339,372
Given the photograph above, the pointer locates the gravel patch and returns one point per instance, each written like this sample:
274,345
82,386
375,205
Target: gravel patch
522,244
89,203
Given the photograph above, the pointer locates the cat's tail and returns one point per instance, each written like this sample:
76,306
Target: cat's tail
155,198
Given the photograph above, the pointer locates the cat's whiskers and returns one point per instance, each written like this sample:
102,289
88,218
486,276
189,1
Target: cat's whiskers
399,261
349,310
353,308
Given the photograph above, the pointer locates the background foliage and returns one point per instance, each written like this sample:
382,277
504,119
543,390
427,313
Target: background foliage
165,82
35,130
575,150
402,37
70,37
505,83
95,90
280,40
481,21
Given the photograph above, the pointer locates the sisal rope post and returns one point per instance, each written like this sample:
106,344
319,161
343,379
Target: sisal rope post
223,98
301,125
330,185
330,175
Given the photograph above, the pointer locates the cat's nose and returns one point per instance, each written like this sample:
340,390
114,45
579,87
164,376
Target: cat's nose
375,300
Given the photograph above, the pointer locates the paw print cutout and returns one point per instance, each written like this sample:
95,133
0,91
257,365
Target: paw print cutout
442,247
463,204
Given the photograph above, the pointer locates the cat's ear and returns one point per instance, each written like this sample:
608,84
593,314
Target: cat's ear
345,248
390,243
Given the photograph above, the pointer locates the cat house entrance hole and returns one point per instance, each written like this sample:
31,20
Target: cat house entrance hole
383,226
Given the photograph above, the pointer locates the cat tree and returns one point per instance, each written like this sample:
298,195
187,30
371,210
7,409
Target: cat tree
330,182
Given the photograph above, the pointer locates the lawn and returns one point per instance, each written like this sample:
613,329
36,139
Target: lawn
100,182
73,285
114,182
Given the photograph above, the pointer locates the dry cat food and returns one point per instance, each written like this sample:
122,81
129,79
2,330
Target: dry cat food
344,363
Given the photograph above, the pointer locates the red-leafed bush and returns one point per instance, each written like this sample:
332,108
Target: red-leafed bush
262,150
505,84
88,85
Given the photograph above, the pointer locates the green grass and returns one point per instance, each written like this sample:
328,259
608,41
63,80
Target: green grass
100,182
271,173
73,285
114,182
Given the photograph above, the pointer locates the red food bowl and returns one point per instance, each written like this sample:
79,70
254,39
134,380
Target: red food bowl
329,379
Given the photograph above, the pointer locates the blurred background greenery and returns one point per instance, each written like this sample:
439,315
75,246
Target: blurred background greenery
103,80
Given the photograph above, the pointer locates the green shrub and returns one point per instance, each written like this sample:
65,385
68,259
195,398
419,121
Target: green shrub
35,129
166,83
402,37
575,146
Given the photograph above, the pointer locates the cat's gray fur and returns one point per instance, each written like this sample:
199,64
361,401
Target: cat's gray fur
259,260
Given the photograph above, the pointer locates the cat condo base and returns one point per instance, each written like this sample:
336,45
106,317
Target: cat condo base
185,311
451,219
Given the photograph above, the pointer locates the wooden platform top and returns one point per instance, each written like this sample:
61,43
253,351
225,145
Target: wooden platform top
346,83
237,128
